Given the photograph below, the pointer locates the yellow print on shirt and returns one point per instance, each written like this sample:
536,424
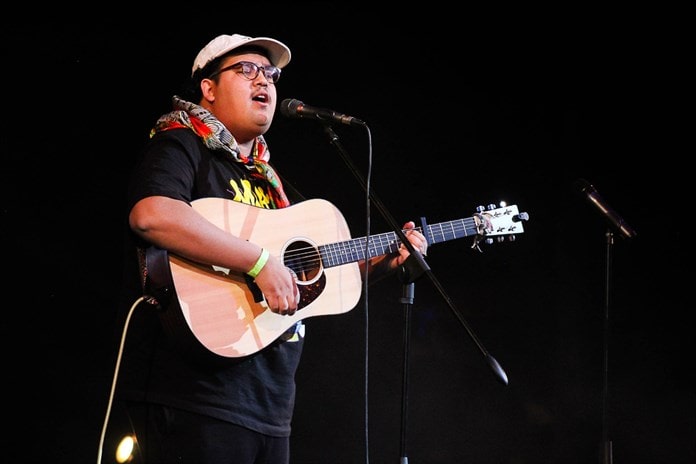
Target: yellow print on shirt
250,194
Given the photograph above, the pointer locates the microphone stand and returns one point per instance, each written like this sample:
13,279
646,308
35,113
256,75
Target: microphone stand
607,452
411,270
626,231
407,300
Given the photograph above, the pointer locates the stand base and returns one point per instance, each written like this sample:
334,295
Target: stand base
608,454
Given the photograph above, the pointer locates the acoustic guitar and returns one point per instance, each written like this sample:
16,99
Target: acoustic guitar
211,309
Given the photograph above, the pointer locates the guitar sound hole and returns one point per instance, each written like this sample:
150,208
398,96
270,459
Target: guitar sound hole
304,260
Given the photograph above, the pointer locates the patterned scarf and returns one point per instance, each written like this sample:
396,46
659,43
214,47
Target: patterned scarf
216,137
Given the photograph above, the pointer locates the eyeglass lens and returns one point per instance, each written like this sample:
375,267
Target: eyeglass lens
251,71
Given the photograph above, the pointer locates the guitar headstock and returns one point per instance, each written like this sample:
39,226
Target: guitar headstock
503,222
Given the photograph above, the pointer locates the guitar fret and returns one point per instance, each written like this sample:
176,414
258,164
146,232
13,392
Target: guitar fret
453,229
336,254
357,250
325,255
451,232
388,243
329,255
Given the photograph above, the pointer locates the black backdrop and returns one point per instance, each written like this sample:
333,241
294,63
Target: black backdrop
462,111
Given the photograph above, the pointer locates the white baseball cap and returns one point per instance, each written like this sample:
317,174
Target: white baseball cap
278,52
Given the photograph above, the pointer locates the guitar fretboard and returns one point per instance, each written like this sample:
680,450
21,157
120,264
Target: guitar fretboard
337,254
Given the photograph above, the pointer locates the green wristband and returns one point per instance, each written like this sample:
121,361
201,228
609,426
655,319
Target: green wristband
260,263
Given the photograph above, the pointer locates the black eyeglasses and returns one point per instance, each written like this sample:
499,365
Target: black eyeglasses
251,71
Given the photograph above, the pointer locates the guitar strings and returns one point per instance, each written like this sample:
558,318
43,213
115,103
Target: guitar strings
310,257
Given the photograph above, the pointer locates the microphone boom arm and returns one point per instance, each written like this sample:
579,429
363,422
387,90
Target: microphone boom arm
416,258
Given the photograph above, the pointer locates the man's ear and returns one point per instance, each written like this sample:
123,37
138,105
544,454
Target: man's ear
208,89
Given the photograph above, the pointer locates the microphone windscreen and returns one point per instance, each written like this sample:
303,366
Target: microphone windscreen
584,186
288,107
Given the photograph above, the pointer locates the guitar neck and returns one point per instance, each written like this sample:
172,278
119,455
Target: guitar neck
337,254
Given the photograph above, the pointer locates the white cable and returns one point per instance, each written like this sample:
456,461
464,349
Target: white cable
113,383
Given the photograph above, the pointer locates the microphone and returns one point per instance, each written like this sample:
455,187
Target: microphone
292,108
606,210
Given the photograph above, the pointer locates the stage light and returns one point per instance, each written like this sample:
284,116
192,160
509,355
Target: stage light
125,448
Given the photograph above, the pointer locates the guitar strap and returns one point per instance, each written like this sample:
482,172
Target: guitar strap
155,276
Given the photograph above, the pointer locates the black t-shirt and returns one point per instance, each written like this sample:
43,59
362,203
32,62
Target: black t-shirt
255,391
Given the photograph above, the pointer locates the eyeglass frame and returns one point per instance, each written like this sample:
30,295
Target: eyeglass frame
241,64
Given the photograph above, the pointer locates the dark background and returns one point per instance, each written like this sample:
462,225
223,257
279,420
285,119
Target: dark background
463,110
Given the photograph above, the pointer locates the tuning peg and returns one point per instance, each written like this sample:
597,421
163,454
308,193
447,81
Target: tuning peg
489,241
491,207
480,209
520,217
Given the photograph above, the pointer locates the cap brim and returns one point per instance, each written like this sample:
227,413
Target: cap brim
278,53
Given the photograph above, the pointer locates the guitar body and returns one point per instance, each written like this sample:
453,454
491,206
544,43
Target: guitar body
222,311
